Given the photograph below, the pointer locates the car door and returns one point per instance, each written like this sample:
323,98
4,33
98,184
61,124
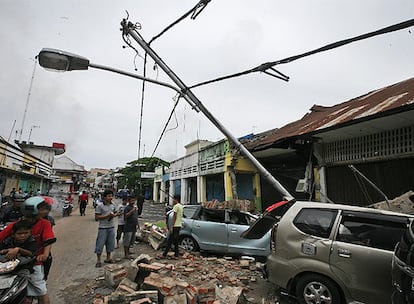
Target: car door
210,230
362,252
238,222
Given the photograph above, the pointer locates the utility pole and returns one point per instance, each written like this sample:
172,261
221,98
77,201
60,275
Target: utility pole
27,100
129,29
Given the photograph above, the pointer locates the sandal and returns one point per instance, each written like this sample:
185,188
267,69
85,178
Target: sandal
98,265
110,261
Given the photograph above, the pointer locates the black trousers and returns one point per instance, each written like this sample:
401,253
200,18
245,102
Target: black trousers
82,207
173,239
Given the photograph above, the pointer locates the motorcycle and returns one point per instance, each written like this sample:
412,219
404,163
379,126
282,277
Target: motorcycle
67,208
13,280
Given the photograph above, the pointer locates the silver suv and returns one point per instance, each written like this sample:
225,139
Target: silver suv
331,254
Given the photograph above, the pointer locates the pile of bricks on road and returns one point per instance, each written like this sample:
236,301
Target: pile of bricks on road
191,279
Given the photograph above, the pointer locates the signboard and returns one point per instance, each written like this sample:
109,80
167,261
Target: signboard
147,174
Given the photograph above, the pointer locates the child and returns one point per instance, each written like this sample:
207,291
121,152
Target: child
130,228
121,220
20,243
44,236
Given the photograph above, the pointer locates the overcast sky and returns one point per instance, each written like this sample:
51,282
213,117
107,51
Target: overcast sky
96,113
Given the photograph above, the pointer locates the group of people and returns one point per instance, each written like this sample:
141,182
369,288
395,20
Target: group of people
31,236
127,215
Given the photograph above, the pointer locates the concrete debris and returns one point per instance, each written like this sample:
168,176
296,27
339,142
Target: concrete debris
402,204
114,273
230,295
234,204
191,279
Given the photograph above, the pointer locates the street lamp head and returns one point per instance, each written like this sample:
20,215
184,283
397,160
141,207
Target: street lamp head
58,60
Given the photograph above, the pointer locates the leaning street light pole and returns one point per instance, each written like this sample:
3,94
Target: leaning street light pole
129,29
58,60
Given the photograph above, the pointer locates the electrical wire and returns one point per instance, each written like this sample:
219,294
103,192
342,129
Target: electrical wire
270,65
363,187
166,125
195,11
142,107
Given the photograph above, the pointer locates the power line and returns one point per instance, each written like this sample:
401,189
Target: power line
265,67
142,107
165,126
195,11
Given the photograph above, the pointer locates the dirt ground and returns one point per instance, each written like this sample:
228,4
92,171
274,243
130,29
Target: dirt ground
74,278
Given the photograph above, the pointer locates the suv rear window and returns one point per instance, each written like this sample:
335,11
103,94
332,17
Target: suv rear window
314,221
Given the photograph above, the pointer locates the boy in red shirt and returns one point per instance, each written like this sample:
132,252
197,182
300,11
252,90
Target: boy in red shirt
44,236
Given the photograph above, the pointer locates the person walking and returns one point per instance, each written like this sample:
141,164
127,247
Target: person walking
175,226
105,213
121,220
130,228
83,201
140,203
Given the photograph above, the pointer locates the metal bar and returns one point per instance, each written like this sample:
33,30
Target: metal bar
128,28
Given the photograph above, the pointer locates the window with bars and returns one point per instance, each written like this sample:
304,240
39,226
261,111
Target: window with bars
396,142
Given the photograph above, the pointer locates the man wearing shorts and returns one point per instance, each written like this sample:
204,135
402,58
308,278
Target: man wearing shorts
105,213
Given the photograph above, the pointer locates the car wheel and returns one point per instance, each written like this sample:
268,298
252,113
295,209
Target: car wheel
188,243
317,289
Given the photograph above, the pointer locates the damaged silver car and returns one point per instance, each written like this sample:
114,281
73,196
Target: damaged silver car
332,254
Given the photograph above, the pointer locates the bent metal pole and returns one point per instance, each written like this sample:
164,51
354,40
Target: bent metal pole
129,28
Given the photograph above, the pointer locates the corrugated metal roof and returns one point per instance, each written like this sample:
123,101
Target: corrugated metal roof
375,103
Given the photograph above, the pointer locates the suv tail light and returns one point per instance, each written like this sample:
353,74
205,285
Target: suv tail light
273,238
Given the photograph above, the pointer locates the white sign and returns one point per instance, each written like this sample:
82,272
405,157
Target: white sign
147,174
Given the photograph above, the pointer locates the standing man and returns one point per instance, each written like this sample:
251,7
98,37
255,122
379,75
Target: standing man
130,228
83,201
105,213
175,226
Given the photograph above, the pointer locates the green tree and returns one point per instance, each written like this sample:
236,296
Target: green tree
131,173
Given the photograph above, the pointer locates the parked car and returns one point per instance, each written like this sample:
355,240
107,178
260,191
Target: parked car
122,193
403,268
329,253
219,230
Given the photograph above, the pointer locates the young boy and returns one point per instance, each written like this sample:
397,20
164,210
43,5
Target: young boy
43,234
105,213
121,220
130,228
20,243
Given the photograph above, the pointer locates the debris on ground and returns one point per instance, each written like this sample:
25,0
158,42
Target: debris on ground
189,279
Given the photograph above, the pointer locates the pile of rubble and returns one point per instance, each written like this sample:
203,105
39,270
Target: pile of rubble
234,204
190,279
403,204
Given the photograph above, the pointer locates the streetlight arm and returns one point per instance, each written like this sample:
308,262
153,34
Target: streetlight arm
58,60
106,68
